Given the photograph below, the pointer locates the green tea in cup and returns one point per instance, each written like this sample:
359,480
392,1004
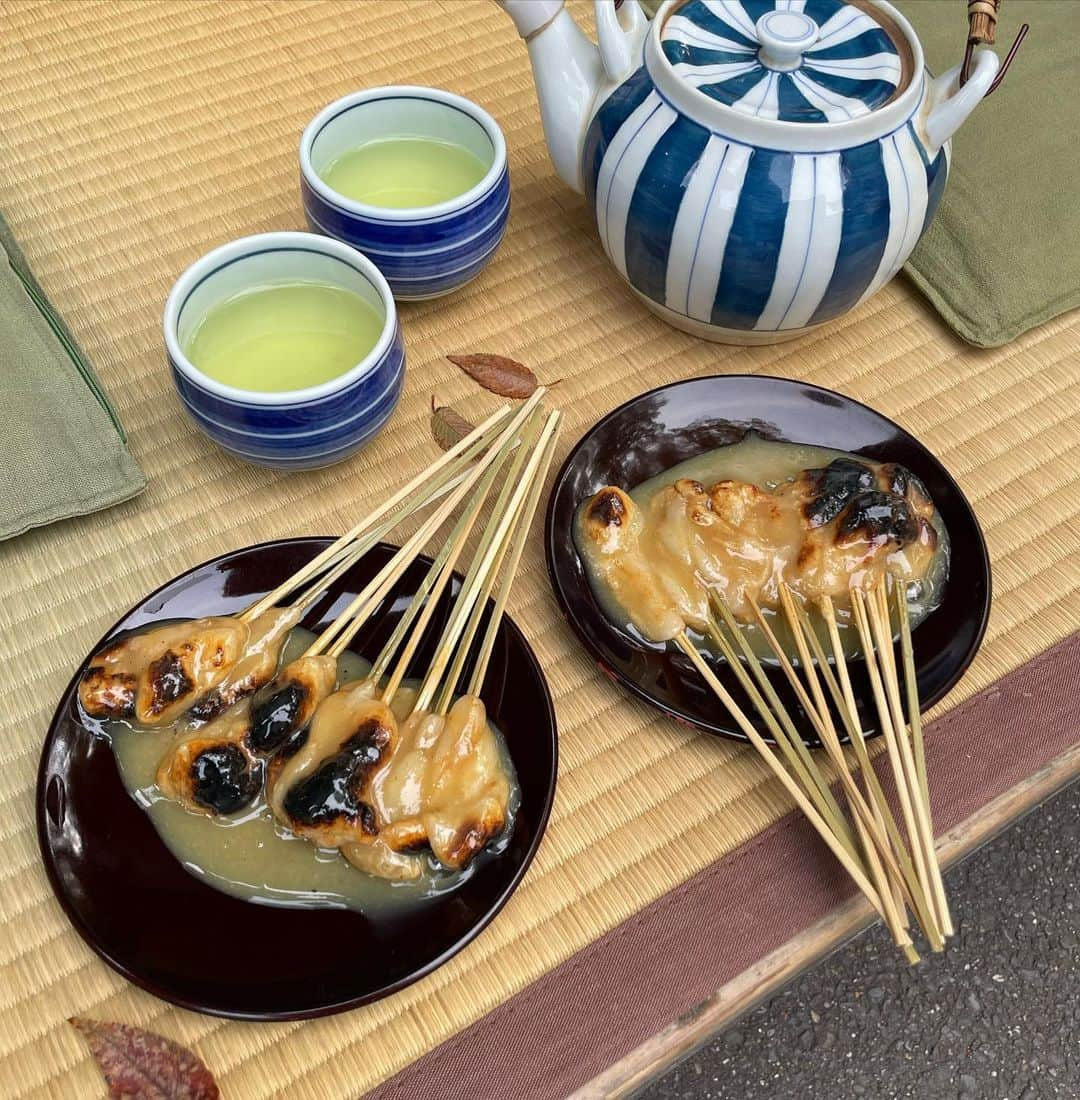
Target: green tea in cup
287,336
404,172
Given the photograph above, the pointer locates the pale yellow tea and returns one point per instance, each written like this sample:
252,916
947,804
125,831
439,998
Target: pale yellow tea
403,172
285,337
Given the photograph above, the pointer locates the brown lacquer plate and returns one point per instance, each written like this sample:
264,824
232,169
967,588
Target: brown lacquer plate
666,426
184,941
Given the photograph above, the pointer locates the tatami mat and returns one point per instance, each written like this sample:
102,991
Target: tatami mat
133,137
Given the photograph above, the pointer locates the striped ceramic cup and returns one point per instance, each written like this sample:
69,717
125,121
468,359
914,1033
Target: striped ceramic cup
297,429
426,251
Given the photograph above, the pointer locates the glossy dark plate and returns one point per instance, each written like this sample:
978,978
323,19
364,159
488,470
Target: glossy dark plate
163,929
666,426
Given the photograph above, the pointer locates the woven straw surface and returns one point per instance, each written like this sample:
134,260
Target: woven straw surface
137,135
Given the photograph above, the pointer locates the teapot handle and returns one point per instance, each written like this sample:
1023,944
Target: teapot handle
950,105
620,34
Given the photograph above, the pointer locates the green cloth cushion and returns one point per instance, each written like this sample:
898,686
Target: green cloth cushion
62,452
1002,254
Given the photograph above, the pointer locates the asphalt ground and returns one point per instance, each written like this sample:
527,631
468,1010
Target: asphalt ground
996,1017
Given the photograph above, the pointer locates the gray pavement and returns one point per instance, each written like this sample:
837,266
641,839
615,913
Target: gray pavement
997,1017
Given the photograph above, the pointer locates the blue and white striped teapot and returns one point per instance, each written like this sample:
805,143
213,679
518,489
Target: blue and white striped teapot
755,167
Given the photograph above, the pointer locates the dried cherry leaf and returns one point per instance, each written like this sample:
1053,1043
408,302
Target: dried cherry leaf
448,426
506,377
141,1065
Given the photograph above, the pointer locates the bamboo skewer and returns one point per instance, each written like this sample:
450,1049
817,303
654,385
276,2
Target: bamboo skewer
906,886
524,522
850,865
352,553
818,722
849,713
427,594
859,612
817,789
786,666
870,830
827,674
422,487
783,730
426,597
458,543
915,720
380,585
323,585
765,684
482,561
914,891
893,873
443,570
911,684
453,675
882,627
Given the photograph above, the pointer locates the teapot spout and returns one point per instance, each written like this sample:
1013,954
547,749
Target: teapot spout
568,73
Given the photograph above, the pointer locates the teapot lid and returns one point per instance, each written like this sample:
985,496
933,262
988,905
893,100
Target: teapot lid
807,61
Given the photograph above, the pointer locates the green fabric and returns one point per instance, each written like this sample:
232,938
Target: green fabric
62,452
1003,253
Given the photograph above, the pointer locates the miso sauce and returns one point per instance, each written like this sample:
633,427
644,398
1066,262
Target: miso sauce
768,464
253,857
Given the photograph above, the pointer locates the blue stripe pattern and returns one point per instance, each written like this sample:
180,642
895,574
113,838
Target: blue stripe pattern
864,69
616,109
307,436
753,246
865,229
698,14
650,222
745,250
298,434
421,257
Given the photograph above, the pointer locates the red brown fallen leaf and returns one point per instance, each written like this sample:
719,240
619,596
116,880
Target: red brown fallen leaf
448,426
497,373
139,1065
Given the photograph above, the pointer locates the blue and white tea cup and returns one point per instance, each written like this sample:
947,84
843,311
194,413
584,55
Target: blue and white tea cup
296,429
425,251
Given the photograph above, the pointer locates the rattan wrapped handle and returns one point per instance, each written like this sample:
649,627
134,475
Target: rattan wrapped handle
982,21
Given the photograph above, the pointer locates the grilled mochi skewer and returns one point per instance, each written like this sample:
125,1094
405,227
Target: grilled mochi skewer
354,781
398,787
845,524
154,677
466,788
196,668
219,768
355,732
446,783
284,709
